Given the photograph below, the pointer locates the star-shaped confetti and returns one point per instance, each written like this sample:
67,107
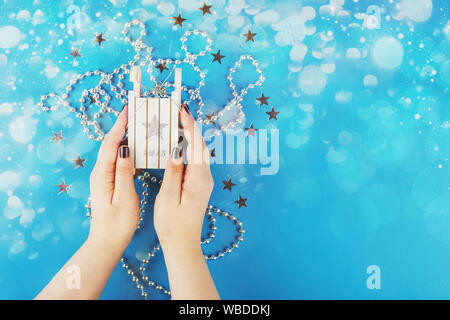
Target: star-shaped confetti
153,128
162,67
249,36
210,117
263,100
217,57
63,187
178,20
251,131
228,184
273,114
79,162
91,99
99,39
75,53
57,136
205,8
241,202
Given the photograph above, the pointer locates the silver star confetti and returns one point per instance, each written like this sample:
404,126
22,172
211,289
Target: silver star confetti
57,136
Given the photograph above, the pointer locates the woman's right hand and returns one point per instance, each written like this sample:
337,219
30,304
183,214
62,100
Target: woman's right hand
181,203
179,212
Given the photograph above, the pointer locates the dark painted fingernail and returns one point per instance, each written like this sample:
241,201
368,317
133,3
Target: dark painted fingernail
124,152
187,108
176,153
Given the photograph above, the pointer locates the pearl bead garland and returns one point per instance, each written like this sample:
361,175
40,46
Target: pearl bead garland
237,98
106,79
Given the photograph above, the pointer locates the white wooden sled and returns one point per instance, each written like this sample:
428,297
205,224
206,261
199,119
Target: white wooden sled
152,124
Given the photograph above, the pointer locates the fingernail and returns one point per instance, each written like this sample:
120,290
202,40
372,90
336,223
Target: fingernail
187,108
176,153
124,152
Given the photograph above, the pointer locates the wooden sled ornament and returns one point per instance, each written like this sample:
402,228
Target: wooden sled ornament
152,124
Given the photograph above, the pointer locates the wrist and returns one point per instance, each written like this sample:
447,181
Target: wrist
182,248
112,244
179,238
104,255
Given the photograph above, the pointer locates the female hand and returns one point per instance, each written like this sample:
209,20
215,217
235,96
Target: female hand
115,216
182,200
114,201
179,211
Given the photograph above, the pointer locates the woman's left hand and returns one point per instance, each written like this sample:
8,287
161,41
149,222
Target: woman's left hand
115,216
114,201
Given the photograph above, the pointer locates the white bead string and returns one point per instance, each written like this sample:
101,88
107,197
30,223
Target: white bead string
106,79
237,98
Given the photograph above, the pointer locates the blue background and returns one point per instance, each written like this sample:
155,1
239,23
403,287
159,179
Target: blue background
363,177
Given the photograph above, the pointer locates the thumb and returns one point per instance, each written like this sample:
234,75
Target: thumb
124,182
173,176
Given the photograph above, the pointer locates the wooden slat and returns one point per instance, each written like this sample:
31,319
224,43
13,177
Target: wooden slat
131,125
175,106
141,132
135,77
164,150
153,133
